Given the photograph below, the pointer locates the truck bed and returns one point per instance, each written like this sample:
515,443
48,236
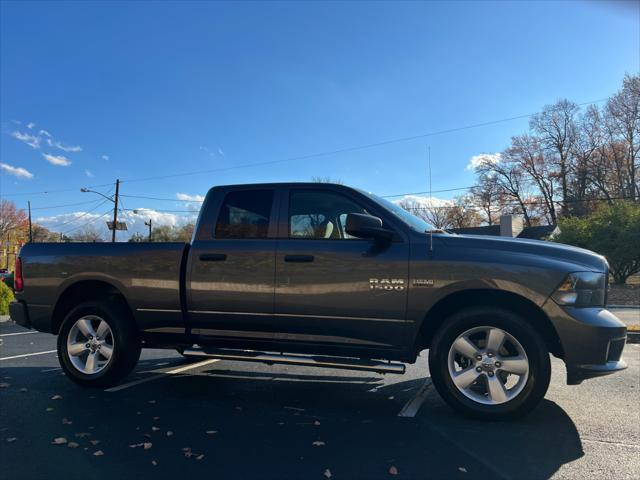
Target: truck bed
149,275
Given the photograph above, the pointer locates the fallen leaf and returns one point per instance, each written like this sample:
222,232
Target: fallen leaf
151,401
391,397
59,441
316,423
5,385
200,457
92,428
186,449
462,469
294,408
154,463
156,418
147,445
136,445
94,442
169,433
82,435
155,429
188,454
211,432
49,409
23,389
148,435
11,439
99,453
393,470
327,473
56,397
318,443
73,445
138,413
66,421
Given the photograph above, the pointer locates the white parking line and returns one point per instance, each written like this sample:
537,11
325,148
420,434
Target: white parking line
162,375
413,405
18,333
27,355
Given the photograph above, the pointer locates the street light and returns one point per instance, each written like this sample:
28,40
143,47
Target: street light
147,224
115,208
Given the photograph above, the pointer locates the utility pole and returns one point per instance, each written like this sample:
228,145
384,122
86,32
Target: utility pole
115,212
148,224
30,229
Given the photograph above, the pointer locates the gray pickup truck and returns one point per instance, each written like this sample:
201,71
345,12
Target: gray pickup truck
335,277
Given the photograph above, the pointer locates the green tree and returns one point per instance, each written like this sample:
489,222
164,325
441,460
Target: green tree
613,231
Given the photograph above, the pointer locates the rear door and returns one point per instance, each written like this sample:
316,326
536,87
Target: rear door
232,264
333,288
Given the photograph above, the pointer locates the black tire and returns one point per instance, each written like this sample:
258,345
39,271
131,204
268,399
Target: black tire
126,344
534,347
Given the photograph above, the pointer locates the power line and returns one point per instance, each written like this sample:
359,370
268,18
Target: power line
315,155
87,223
83,215
162,198
66,205
517,204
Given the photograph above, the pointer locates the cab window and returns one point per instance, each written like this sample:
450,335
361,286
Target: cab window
320,214
245,214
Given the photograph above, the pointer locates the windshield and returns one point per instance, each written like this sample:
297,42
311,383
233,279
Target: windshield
406,217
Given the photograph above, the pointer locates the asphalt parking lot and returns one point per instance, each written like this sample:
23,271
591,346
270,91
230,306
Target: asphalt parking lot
239,420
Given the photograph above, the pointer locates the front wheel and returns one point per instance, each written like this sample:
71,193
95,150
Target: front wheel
98,344
490,364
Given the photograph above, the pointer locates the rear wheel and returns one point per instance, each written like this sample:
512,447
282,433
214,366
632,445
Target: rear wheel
98,343
490,364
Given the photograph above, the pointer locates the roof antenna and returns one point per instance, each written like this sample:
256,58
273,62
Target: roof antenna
430,200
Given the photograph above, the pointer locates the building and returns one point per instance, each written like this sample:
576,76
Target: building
511,226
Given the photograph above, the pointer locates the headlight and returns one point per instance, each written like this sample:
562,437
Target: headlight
582,289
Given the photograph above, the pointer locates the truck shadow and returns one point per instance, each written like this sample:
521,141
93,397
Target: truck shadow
262,424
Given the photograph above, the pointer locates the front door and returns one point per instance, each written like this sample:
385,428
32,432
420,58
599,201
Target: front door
332,288
231,282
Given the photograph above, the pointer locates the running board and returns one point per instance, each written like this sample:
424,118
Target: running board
302,360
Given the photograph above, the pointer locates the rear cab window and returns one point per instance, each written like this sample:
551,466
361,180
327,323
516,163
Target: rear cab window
245,214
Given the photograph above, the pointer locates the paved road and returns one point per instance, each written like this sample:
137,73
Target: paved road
243,421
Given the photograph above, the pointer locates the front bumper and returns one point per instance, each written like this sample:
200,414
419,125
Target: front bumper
592,340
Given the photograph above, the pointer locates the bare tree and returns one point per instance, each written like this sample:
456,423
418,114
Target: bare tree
88,234
511,182
463,214
622,114
436,215
526,153
556,128
487,196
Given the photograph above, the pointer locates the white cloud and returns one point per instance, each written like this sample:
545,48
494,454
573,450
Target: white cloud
104,157
16,171
64,148
189,198
31,140
416,201
57,160
484,158
35,140
220,151
89,173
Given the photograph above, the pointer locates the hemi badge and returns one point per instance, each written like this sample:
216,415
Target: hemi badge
422,282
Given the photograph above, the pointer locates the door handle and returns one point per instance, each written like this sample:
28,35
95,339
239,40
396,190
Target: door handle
298,258
213,257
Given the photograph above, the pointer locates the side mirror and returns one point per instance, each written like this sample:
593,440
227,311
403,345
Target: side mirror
366,226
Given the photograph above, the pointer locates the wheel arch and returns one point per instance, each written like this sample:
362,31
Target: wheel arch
460,300
82,291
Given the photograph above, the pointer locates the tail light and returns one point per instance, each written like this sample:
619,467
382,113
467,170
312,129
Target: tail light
18,284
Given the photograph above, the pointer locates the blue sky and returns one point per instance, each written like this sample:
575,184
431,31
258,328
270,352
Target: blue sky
155,88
